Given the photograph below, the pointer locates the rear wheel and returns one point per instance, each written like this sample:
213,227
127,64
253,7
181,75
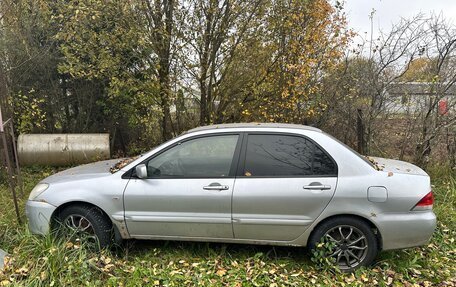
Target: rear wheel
353,242
86,224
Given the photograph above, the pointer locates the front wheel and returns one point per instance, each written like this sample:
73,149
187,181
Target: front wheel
86,224
353,242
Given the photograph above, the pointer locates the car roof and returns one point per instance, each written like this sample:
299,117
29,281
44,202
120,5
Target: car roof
252,125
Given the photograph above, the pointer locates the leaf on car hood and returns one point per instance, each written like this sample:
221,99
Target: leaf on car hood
122,163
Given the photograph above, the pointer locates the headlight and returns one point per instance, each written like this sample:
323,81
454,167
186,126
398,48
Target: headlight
37,190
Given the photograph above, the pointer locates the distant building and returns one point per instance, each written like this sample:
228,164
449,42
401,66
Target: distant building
413,96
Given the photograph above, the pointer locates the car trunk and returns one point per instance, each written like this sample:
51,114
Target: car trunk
397,166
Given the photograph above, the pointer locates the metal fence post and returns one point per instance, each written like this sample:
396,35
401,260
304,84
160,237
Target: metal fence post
9,167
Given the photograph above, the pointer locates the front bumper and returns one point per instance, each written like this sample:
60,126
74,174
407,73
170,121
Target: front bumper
406,229
39,216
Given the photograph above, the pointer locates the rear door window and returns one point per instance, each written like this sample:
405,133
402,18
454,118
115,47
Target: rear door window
276,155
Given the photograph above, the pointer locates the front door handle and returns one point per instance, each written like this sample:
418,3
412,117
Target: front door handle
216,186
317,186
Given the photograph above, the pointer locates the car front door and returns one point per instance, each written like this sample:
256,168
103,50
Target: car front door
188,190
284,182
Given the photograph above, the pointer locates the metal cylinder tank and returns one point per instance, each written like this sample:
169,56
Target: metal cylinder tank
62,149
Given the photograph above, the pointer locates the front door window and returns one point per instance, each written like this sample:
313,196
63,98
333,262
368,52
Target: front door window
197,158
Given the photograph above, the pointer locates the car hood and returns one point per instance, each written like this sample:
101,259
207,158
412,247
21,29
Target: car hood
397,166
86,171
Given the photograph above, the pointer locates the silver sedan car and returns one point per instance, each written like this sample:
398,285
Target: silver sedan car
277,184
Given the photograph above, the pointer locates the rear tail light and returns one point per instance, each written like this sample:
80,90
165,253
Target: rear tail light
425,203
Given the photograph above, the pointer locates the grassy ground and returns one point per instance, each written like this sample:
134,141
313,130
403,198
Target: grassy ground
37,261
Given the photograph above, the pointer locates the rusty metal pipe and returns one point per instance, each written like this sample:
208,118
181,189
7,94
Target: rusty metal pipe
62,149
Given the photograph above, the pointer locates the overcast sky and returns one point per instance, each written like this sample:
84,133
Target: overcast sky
391,11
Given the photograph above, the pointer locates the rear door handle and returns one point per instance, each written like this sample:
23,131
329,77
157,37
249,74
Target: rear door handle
317,187
216,186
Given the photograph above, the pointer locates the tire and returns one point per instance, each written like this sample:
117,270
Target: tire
355,243
85,223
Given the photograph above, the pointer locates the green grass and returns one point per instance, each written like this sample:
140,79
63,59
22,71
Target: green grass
37,261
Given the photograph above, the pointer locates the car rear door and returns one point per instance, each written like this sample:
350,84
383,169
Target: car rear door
188,190
284,182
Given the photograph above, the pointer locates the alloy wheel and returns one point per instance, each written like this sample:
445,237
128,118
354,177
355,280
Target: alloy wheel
350,245
79,228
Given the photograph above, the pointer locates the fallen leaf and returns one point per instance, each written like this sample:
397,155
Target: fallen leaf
221,272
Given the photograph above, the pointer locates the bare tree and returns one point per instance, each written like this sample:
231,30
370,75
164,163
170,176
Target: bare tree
214,31
441,52
160,31
393,95
363,82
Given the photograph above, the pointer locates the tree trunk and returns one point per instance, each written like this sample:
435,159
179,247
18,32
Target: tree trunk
180,109
423,148
451,147
165,104
203,103
66,102
423,151
163,35
360,131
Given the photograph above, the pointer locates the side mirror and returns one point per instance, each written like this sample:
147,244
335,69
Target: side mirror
141,171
